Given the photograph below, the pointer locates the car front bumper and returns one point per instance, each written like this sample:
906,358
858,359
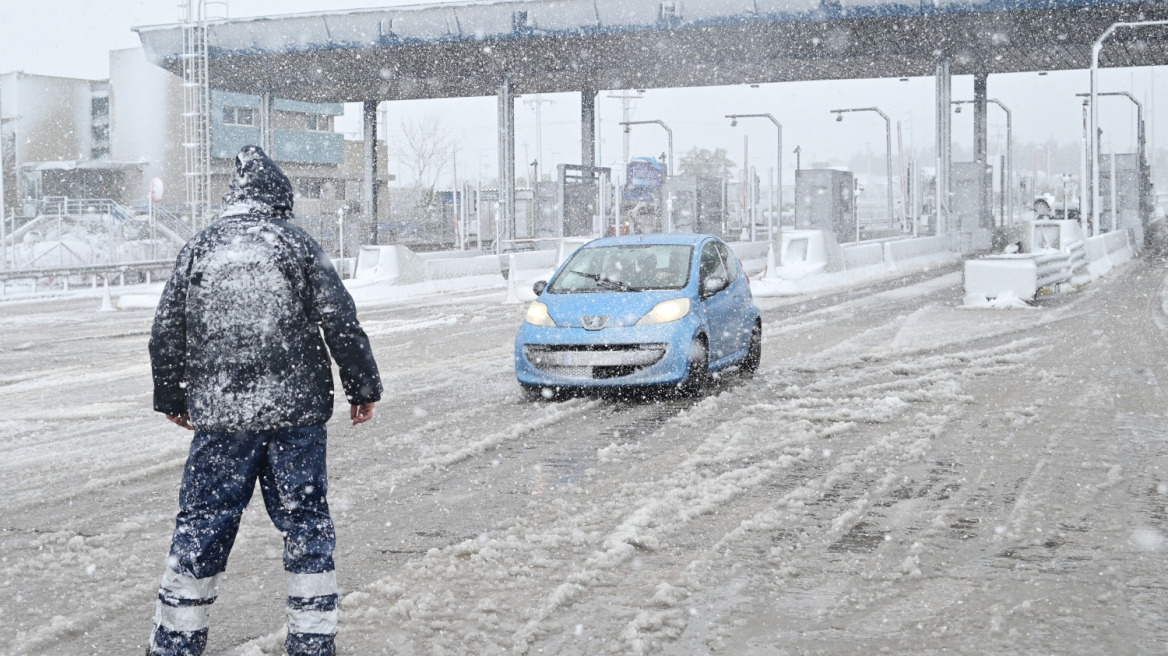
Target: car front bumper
633,356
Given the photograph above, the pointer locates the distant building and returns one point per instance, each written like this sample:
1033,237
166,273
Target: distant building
108,138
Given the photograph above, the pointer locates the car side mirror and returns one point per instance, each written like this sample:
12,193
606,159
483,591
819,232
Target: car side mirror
539,286
712,286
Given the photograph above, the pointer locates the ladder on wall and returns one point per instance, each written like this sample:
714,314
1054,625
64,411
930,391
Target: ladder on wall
197,103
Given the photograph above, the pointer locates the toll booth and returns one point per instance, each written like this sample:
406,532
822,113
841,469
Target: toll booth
578,198
971,222
694,205
1128,197
825,199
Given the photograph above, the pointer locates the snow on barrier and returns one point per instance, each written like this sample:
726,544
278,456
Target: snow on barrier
752,254
863,254
907,249
1019,274
390,265
566,246
1106,251
388,272
803,253
995,276
528,267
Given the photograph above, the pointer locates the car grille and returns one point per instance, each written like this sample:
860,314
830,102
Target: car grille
594,361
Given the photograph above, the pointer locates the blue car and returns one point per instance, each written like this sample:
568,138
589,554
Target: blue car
639,311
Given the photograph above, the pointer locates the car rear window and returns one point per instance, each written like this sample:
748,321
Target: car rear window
630,268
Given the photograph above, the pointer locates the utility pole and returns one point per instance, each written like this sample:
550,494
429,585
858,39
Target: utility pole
538,101
625,99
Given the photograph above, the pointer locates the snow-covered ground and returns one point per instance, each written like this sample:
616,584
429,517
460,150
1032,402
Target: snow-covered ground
903,475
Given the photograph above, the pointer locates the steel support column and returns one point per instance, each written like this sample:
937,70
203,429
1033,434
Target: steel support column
588,126
506,120
266,122
985,215
944,98
369,190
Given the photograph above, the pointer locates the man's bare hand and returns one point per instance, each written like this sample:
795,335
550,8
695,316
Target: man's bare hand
361,413
183,420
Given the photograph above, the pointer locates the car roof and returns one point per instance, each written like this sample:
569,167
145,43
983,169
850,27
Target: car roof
651,238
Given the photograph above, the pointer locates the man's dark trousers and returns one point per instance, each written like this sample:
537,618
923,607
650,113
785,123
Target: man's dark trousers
217,484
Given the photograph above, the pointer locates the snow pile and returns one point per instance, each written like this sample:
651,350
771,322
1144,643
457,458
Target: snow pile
1005,301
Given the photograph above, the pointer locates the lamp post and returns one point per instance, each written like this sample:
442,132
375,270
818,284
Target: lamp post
667,131
733,122
1139,124
1092,146
839,116
1009,191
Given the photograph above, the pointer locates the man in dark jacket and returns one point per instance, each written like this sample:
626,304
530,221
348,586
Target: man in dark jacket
238,356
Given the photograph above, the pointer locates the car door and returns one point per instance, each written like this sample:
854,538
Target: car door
719,306
739,289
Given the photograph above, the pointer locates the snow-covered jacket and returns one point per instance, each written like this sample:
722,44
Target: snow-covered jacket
237,337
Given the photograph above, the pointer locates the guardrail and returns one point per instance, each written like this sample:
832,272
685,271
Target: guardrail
94,272
1053,268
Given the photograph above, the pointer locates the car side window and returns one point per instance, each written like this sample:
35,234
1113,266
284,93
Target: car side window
732,271
712,265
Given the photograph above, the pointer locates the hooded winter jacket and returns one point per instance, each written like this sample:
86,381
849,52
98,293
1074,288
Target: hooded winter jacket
237,337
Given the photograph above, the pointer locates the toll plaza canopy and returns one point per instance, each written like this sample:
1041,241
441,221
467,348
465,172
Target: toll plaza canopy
545,46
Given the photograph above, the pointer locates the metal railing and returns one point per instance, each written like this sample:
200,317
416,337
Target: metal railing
63,274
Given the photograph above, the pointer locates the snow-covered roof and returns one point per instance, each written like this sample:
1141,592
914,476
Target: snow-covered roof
564,45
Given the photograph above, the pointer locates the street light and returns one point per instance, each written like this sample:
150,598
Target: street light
779,171
1139,127
1092,146
1009,191
667,130
839,116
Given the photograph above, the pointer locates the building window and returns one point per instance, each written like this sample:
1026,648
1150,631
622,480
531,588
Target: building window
100,106
238,116
319,123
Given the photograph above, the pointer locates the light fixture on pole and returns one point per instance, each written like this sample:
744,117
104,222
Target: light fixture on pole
734,122
1009,191
1139,121
839,116
669,132
1092,146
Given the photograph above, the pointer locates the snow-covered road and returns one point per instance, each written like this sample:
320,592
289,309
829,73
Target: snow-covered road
902,476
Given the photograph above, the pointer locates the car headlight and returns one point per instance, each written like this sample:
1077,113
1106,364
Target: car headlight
537,315
666,311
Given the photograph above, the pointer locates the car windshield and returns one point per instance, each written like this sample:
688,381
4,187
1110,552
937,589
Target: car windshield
630,268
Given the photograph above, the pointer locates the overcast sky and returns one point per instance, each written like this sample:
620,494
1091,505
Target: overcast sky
72,38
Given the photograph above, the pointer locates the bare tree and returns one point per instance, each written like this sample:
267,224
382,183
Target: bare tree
424,152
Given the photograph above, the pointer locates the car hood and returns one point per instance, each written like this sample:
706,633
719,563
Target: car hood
621,308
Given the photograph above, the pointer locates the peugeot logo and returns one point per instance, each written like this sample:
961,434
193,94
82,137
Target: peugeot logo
594,323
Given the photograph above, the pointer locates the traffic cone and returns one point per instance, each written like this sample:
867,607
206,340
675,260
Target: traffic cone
512,290
107,304
772,270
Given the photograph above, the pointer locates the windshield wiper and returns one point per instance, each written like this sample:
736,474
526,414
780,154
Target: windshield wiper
601,281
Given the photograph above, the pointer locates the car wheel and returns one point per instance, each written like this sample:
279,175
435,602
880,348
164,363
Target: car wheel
754,352
698,378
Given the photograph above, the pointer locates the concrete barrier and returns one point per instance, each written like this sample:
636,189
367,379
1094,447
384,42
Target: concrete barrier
566,246
992,277
528,267
907,249
390,265
804,252
862,255
1106,251
752,254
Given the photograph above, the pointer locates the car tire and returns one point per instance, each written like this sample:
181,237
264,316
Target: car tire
754,352
698,377
534,393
